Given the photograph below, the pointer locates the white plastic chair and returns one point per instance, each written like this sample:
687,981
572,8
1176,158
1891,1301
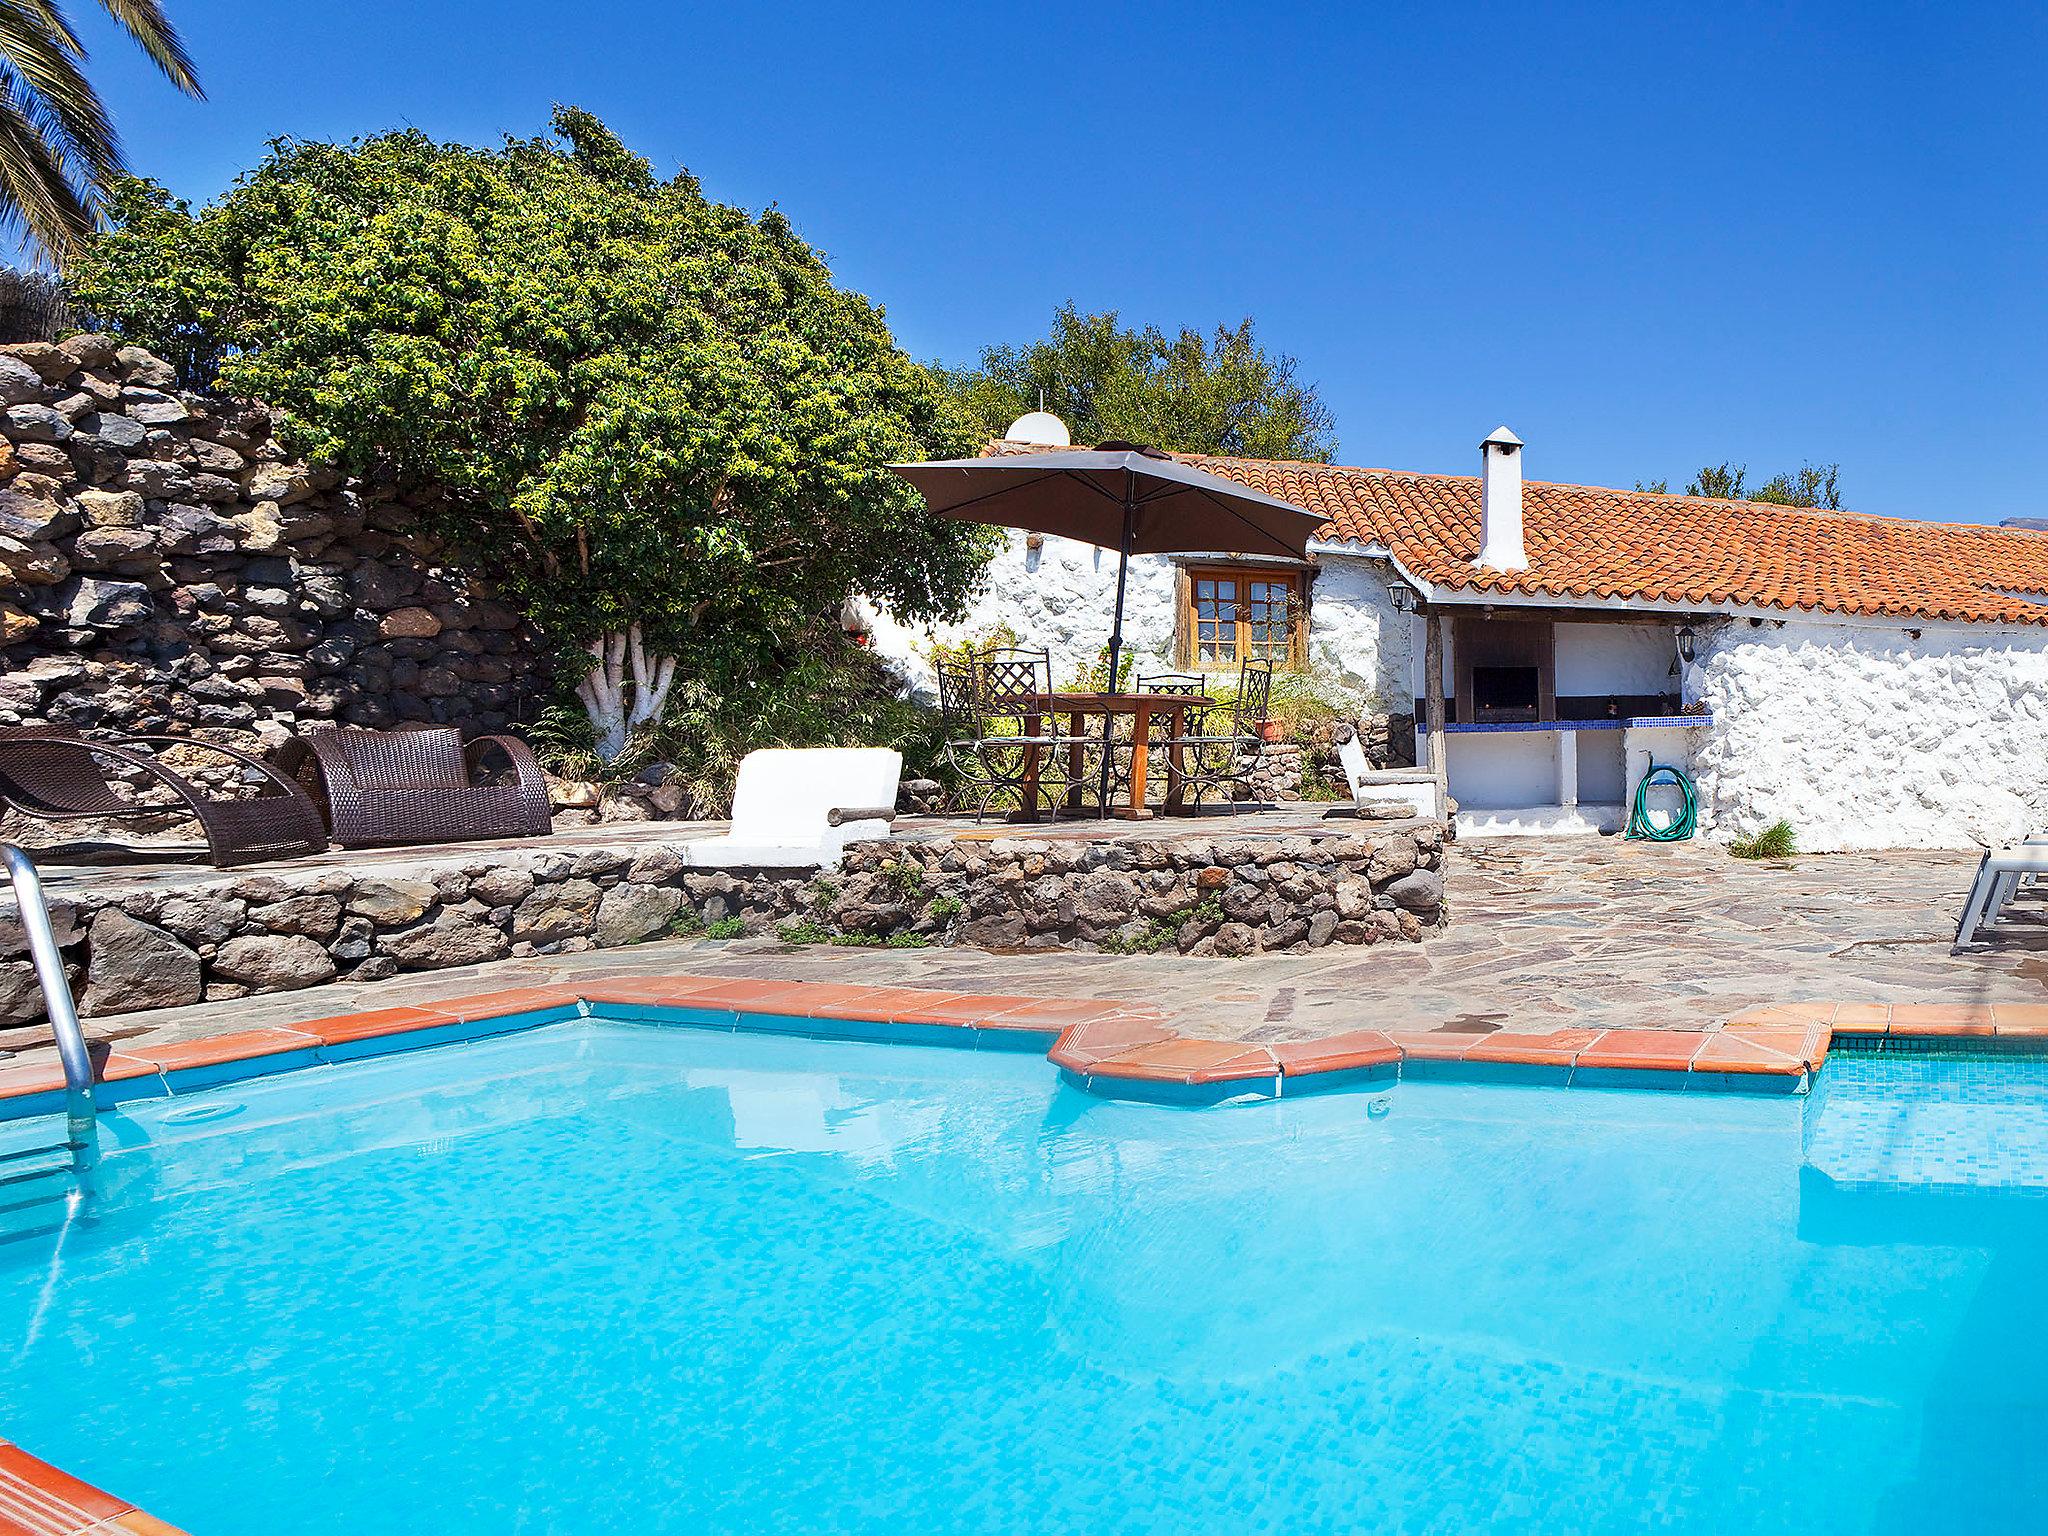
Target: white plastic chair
798,808
1999,874
1413,789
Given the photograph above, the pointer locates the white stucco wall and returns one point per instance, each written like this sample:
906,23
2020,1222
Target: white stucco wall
1616,658
1864,736
1063,594
1591,658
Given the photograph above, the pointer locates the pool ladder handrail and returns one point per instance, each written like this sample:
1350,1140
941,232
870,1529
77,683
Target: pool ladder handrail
81,1111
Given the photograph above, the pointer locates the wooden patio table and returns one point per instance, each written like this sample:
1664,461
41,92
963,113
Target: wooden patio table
1143,708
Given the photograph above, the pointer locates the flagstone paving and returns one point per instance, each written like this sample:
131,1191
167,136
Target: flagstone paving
1547,934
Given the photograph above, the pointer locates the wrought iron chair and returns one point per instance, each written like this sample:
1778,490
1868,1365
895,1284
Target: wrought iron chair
1016,681
55,774
383,788
1213,759
992,763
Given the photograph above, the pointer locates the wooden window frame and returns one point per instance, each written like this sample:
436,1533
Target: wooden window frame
1186,649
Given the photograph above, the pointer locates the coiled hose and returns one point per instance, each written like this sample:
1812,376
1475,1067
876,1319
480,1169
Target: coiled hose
1682,826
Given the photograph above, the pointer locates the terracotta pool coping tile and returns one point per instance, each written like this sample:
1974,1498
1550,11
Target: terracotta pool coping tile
741,994
1753,1053
20,1082
1784,1016
1433,1045
212,1050
1060,1013
1942,1019
1644,1049
1187,1059
1863,1018
53,1488
1335,1053
894,1005
1531,1048
963,1008
640,989
2021,1018
1082,1045
498,1005
139,1523
374,1023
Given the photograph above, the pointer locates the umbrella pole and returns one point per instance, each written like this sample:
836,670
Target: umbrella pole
1116,640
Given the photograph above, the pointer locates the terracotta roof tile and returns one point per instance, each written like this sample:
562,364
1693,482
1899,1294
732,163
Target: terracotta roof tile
1639,546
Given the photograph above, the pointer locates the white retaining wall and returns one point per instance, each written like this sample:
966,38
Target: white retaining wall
1864,736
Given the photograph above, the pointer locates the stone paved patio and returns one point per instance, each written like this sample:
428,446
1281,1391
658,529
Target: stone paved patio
1545,933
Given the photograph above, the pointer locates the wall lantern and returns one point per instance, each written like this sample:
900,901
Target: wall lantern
1685,643
1402,596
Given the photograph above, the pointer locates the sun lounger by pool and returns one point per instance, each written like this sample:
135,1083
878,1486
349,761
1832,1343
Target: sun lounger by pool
798,808
1999,874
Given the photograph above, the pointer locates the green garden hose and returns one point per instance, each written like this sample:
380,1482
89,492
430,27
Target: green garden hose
1682,826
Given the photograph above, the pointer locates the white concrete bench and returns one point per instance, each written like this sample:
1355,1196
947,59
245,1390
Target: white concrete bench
798,808
1411,791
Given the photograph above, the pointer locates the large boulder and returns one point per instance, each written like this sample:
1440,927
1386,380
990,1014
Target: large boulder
629,913
450,939
131,965
392,903
564,911
274,962
1420,890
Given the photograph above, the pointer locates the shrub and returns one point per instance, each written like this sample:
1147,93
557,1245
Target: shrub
726,928
1777,841
662,427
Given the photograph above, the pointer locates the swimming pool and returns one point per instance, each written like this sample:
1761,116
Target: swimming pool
608,1276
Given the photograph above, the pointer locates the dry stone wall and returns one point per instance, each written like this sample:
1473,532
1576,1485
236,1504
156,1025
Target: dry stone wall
166,565
156,944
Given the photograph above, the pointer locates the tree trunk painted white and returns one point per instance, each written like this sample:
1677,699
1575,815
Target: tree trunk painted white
625,690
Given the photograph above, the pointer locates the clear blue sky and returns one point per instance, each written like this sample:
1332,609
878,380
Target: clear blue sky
1645,237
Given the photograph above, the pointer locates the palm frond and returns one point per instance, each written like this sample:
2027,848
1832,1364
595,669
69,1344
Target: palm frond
53,93
59,151
35,194
144,20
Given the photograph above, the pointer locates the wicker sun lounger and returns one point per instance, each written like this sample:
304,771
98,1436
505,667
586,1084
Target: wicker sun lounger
58,775
386,788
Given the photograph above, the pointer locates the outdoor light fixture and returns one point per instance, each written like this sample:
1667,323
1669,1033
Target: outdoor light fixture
1402,596
1685,643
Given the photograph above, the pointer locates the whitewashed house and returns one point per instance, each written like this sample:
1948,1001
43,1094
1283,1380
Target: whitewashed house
1878,682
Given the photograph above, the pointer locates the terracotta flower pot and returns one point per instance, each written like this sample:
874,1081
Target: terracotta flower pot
1269,730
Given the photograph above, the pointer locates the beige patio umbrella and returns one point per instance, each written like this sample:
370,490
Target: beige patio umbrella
1120,496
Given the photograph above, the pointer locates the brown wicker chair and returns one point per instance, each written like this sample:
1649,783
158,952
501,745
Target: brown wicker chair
56,774
380,788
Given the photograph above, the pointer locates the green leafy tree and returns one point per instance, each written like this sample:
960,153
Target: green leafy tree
1812,485
661,426
1188,392
59,153
1724,481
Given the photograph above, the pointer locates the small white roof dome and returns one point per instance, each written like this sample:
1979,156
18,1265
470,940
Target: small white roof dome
1042,428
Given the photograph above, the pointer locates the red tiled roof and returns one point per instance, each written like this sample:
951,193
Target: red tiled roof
1595,545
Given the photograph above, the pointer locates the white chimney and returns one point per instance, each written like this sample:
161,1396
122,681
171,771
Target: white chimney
1500,503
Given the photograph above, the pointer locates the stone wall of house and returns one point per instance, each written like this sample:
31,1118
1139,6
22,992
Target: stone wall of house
166,565
147,944
1867,735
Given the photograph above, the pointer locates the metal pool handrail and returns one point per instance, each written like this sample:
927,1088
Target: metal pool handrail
80,1109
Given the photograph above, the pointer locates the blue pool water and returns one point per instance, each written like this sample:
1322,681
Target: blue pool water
616,1277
